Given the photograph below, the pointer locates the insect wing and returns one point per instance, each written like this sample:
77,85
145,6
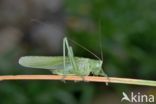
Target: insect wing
44,62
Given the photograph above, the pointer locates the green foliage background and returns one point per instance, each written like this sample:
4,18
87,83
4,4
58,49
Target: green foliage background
128,41
128,34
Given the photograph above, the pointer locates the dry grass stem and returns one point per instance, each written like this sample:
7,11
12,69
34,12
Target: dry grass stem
78,78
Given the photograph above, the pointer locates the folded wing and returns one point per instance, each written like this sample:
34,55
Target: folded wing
43,62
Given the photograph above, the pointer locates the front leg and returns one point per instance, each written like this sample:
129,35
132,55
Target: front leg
102,73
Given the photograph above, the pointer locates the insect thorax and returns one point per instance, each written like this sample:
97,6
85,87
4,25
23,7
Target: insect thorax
85,66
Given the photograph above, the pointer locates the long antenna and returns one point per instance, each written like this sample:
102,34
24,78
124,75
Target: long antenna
100,38
84,48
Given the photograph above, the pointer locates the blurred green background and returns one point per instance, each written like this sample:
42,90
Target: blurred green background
37,27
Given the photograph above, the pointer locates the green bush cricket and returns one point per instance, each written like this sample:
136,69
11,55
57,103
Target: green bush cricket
65,65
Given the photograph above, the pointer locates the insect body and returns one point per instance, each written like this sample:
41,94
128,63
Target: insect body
66,65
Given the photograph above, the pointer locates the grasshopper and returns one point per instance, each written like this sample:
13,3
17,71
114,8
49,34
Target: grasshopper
66,64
